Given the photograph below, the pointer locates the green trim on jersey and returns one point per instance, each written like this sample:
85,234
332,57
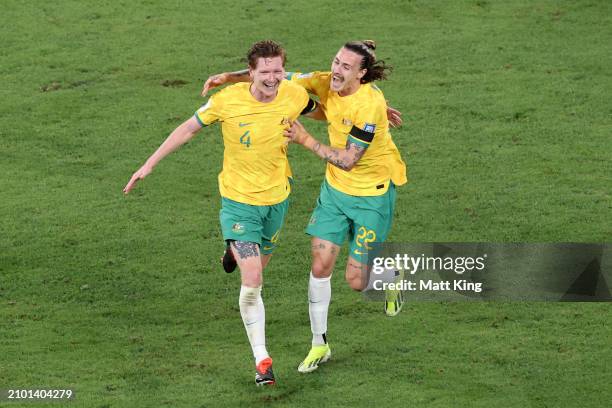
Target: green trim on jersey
199,120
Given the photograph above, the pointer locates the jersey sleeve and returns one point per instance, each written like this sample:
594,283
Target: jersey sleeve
300,101
310,106
368,119
210,112
314,82
306,103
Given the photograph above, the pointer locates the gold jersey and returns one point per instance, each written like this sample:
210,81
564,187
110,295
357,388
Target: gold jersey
360,118
255,166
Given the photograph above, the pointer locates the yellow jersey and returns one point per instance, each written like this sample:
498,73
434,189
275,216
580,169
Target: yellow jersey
255,166
362,119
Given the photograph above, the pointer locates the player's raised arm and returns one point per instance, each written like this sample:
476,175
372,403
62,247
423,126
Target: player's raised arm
216,80
177,138
344,159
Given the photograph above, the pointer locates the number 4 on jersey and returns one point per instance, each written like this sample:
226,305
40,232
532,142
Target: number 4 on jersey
245,139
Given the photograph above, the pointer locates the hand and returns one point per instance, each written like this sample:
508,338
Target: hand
394,116
296,133
214,81
141,173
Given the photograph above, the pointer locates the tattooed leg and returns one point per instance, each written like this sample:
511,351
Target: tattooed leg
250,301
324,254
249,261
245,249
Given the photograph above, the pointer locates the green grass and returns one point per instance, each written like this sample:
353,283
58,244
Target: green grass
507,138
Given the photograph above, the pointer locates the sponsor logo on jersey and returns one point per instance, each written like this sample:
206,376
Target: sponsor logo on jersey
245,124
285,121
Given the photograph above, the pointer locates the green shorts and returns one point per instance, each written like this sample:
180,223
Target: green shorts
253,223
362,220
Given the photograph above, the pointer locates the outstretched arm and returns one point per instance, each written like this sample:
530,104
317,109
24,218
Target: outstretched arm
177,138
344,159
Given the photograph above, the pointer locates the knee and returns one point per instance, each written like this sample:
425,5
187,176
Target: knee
252,276
354,278
355,282
249,296
321,269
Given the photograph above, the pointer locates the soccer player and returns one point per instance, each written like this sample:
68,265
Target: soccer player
254,183
357,197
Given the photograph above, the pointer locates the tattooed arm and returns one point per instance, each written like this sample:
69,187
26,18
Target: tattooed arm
344,159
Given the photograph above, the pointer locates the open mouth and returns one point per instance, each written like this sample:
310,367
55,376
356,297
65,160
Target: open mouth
337,80
271,85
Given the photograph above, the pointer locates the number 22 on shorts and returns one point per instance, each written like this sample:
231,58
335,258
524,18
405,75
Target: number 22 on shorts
364,237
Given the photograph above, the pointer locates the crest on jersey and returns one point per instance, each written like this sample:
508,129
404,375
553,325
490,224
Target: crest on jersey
370,127
347,122
238,228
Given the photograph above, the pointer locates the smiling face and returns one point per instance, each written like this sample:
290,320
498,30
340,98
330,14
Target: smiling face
266,77
346,72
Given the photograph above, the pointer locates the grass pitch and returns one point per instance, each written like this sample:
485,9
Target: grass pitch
507,138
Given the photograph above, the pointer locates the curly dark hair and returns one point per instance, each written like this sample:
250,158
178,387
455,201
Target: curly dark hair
376,69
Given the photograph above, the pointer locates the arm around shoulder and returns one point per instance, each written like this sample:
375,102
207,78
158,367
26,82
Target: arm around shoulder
344,159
